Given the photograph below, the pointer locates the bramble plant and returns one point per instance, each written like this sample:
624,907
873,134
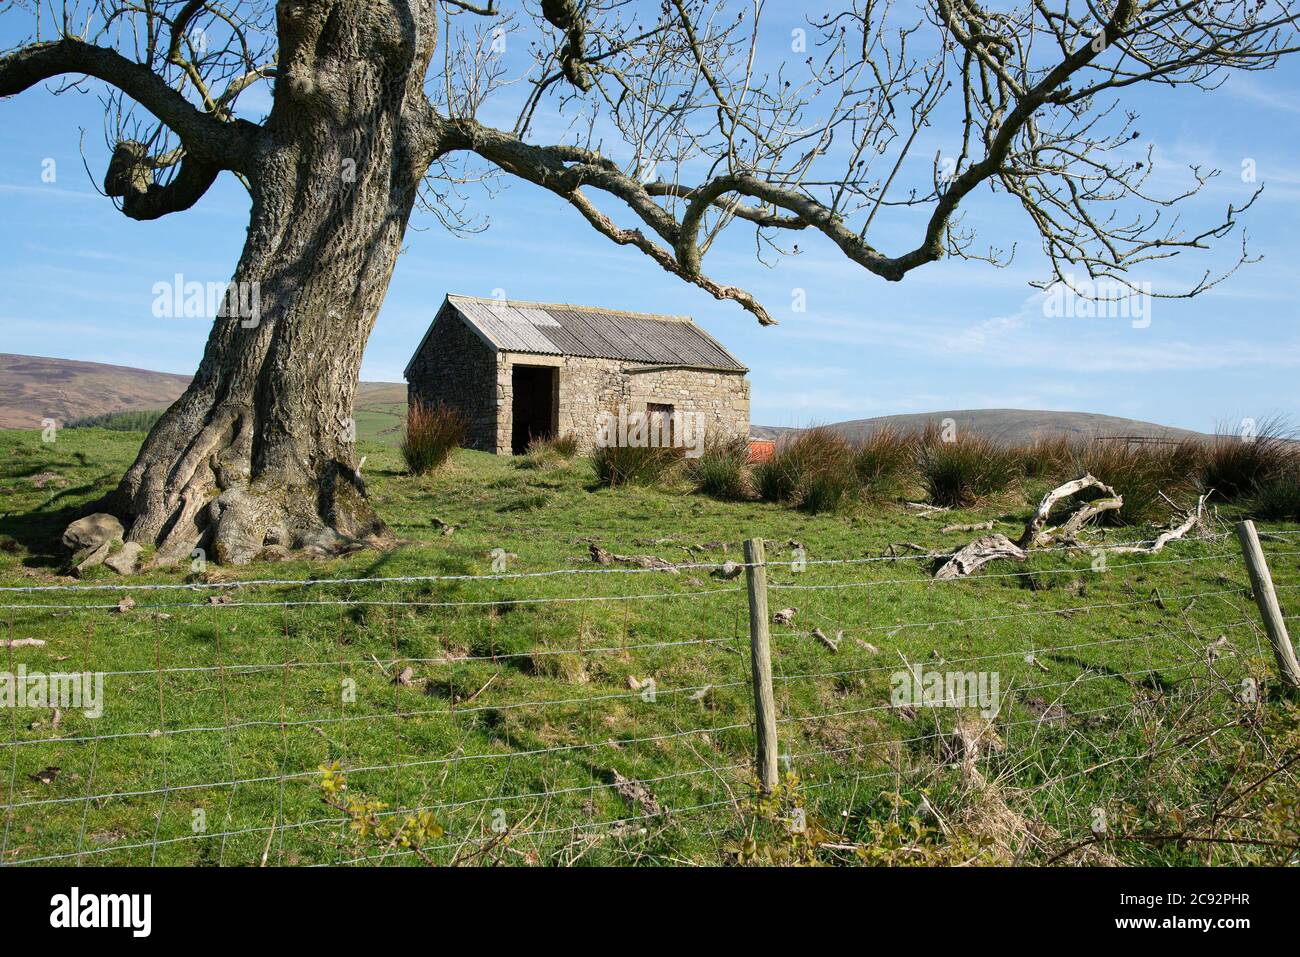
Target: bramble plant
372,822
778,828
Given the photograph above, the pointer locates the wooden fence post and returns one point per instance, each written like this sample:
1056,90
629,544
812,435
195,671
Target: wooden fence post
760,650
1261,583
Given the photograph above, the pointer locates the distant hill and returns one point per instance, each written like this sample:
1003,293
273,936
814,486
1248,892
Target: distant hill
33,388
1006,425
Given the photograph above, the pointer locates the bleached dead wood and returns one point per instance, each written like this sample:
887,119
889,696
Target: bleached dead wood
831,643
603,557
896,549
1173,533
991,548
979,553
1036,532
976,527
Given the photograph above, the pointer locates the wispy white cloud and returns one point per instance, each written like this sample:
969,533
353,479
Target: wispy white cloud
1248,88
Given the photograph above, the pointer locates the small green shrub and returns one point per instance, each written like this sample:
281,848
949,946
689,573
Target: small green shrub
617,465
813,471
966,470
828,491
722,470
566,445
529,503
433,432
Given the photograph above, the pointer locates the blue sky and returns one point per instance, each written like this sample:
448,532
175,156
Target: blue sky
76,281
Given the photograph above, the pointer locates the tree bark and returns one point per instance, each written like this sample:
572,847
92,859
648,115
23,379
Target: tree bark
260,448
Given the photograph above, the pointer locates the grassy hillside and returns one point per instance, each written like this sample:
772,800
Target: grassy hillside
34,388
1124,687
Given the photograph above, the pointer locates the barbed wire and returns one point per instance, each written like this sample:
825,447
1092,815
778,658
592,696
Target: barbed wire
424,762
396,602
669,813
1033,652
984,576
389,812
666,567
1069,609
399,762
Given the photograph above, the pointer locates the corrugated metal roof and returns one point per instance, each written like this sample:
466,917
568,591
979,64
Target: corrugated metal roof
563,330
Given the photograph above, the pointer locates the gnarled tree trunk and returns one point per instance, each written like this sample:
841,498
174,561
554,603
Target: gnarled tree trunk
260,448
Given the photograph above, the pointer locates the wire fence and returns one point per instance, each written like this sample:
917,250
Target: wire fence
574,714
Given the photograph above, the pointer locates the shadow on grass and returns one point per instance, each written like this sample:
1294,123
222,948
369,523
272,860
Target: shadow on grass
1152,679
39,531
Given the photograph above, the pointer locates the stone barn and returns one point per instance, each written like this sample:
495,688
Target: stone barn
523,370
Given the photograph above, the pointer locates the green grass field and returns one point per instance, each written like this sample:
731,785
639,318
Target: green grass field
1147,729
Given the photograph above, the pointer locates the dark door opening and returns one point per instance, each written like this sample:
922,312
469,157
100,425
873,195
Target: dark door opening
661,424
535,408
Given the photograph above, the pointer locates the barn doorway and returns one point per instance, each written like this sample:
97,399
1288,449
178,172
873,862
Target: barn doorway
661,424
535,407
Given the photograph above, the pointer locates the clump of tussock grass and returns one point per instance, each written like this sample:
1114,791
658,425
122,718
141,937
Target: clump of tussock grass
1278,500
1142,474
1239,466
885,462
432,433
617,465
722,469
1046,457
813,472
562,666
543,454
966,470
529,503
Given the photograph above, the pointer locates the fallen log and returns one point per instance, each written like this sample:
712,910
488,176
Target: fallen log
992,548
603,557
979,553
976,527
1036,533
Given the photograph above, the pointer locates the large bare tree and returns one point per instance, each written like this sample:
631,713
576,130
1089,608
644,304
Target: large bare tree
678,119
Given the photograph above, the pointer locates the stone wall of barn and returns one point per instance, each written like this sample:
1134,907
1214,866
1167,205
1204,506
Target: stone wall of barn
458,368
589,387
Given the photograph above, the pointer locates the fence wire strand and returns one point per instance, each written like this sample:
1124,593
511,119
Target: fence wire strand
542,746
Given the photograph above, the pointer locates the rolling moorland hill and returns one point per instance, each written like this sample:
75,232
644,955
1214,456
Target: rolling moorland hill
1005,425
33,388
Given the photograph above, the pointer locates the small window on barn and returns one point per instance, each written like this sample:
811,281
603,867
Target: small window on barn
661,424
